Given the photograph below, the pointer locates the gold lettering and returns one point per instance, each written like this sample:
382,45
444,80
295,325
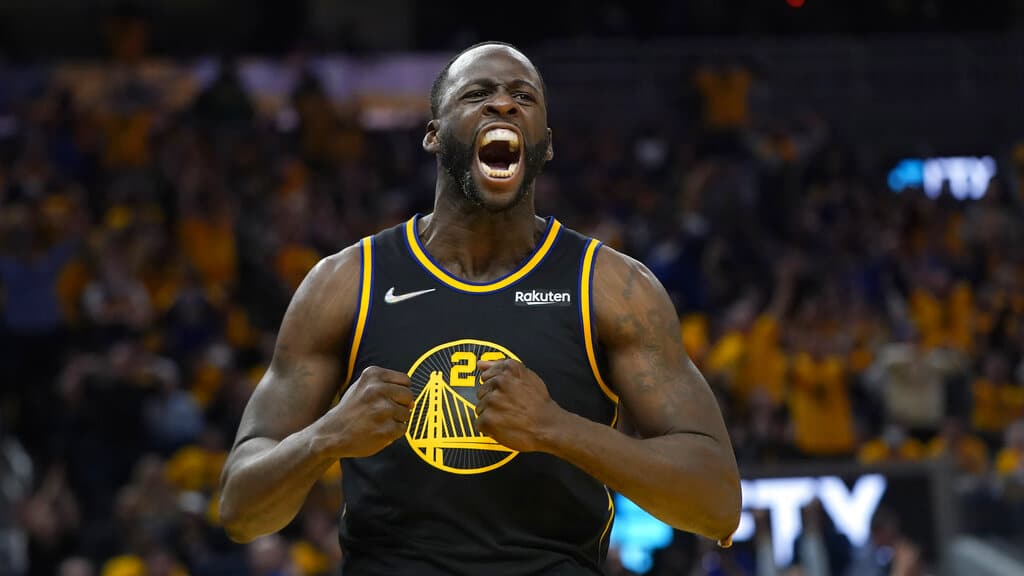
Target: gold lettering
492,356
463,367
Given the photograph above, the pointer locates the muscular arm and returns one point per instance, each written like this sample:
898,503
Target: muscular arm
681,467
280,452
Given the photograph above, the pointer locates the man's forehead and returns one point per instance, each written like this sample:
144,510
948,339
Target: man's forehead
485,59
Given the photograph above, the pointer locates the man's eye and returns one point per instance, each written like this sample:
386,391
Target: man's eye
476,94
524,96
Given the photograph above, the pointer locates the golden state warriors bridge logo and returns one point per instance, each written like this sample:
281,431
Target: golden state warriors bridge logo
442,429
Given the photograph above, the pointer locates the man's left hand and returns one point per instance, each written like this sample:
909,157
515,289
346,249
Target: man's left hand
513,405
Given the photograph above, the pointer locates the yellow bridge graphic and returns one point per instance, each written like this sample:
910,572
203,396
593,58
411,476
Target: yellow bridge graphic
444,419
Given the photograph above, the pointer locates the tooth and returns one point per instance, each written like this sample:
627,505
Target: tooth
498,173
503,134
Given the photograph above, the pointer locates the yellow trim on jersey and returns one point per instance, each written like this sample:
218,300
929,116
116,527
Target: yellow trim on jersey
364,305
412,237
588,334
611,516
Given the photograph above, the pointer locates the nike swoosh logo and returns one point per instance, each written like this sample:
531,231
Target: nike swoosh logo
391,298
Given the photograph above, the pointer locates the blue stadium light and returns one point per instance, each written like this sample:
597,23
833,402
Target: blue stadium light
637,535
908,173
966,177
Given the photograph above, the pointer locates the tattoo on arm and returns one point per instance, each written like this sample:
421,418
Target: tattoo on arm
627,291
646,331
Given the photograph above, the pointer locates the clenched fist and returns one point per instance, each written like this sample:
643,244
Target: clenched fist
513,405
373,413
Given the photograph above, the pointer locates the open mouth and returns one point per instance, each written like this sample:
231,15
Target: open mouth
499,153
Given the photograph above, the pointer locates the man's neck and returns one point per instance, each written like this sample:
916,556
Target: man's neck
478,245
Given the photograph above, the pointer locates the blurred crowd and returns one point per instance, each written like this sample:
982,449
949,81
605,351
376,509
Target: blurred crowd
147,254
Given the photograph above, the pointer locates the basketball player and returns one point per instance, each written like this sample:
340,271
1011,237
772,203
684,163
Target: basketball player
484,356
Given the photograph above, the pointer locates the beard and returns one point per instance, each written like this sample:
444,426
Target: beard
457,159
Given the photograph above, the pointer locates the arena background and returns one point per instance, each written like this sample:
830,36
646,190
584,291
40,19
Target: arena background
830,191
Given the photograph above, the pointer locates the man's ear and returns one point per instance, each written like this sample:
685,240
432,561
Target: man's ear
431,143
550,152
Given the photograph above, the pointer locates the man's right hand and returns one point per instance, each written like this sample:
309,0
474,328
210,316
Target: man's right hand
373,413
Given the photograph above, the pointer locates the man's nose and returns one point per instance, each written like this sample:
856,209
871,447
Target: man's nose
502,104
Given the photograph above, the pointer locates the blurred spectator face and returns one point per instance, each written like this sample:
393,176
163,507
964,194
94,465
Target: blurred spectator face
76,567
41,521
1015,436
317,523
56,213
319,528
761,408
996,368
125,358
127,506
20,229
159,563
113,267
267,556
894,436
938,280
952,431
885,529
212,439
192,505
149,474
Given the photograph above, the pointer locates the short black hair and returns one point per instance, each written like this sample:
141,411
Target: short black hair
442,77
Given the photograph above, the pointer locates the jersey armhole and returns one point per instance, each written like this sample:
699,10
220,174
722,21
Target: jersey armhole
586,314
363,307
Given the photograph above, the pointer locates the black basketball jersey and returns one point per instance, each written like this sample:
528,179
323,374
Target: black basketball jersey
446,499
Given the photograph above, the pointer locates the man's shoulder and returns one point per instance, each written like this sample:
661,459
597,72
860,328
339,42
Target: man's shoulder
586,239
393,234
353,253
338,267
611,263
624,284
